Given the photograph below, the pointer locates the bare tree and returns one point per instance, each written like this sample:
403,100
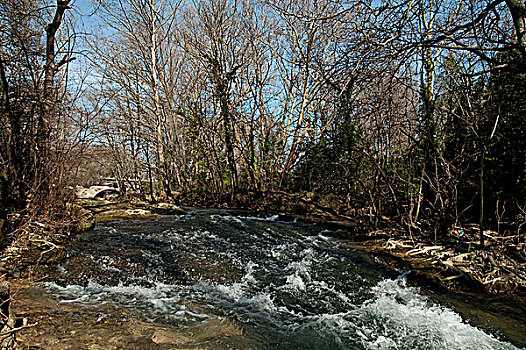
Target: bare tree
32,102
142,28
215,37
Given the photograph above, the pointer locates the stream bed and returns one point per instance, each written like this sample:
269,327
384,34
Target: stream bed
284,285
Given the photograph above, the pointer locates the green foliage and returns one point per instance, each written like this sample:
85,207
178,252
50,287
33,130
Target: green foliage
484,117
461,102
335,164
506,153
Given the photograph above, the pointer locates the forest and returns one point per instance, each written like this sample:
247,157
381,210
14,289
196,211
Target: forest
407,113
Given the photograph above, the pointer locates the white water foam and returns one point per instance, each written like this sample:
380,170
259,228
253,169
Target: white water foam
326,235
259,218
280,251
106,263
299,271
398,317
395,317
161,299
295,281
227,218
411,317
291,289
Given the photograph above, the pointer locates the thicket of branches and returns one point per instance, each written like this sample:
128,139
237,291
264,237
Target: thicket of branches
39,128
410,109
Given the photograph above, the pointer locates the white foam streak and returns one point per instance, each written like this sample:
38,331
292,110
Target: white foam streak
296,282
227,218
160,299
258,218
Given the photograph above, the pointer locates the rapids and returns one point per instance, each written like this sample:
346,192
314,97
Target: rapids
286,285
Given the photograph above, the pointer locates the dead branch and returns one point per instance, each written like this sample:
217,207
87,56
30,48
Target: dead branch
9,333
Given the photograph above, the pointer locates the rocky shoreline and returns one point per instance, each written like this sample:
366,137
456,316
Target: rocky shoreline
92,211
457,268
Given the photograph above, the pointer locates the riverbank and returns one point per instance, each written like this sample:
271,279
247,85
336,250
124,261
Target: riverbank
459,267
456,263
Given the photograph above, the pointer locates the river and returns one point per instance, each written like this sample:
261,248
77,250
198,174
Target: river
286,285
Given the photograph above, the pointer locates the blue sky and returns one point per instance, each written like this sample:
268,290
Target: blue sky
84,6
83,10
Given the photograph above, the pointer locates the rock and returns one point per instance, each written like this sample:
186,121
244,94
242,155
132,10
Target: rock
103,211
167,209
122,214
163,336
86,220
339,225
138,212
84,217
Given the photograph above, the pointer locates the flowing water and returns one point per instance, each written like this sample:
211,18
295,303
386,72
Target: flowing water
286,285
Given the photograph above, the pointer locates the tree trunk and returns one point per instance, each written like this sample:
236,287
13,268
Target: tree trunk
229,137
481,190
41,186
150,177
49,73
221,82
159,139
